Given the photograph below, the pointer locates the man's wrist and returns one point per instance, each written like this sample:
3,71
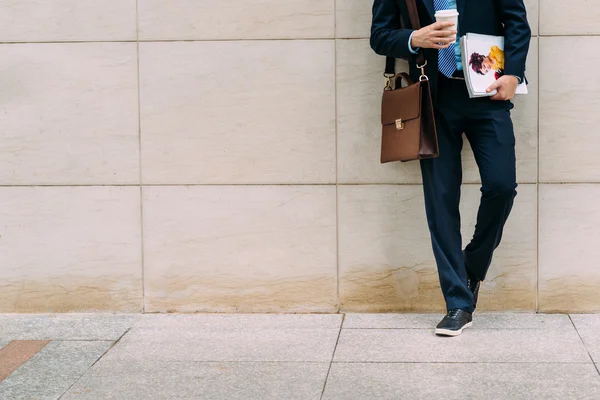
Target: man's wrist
410,47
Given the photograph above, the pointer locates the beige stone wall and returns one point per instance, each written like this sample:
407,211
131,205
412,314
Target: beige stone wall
201,155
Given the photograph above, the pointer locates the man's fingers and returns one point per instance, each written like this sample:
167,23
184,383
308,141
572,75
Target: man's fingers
440,46
444,40
444,33
500,95
442,25
493,86
506,91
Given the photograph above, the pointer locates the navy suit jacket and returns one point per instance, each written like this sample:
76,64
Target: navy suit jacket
391,29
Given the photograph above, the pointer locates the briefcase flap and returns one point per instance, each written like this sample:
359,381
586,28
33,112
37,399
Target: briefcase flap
401,104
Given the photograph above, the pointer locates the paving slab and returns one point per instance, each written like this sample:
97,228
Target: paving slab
16,353
487,345
588,326
481,321
84,326
171,344
231,337
158,380
390,321
462,381
240,321
49,373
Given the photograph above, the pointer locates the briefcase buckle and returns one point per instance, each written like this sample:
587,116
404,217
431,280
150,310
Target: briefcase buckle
399,125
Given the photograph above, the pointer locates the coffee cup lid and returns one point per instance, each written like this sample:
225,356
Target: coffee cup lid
447,12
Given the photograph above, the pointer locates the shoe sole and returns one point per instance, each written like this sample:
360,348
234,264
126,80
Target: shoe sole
447,332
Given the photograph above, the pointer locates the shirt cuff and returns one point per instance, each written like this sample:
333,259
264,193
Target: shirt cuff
413,51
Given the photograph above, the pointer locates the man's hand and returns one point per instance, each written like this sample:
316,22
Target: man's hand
434,36
506,86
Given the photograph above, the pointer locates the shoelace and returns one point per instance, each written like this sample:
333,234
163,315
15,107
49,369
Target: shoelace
453,313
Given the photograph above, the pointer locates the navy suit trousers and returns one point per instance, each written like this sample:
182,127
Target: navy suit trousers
488,127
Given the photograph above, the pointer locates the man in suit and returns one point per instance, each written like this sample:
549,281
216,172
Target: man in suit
486,123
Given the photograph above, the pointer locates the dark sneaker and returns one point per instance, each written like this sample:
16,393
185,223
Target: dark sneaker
454,322
474,288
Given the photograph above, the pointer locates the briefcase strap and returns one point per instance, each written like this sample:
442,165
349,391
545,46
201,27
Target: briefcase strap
390,62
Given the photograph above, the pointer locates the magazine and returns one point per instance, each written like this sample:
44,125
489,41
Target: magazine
483,63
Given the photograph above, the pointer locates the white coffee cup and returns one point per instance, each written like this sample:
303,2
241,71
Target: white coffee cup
448,16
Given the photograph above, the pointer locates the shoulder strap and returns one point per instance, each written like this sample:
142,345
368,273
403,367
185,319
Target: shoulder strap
413,15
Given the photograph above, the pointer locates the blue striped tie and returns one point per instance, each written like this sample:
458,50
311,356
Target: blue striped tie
447,56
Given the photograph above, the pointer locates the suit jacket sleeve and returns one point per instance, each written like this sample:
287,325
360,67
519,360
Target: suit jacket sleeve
387,36
517,36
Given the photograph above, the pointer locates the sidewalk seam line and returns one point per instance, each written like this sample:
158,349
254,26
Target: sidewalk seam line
94,363
464,362
333,356
584,346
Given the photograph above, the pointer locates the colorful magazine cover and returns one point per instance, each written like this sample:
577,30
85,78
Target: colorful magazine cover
483,63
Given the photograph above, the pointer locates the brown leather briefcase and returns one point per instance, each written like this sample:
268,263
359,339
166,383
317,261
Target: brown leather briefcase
407,116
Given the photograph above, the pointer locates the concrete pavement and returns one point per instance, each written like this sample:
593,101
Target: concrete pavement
296,356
